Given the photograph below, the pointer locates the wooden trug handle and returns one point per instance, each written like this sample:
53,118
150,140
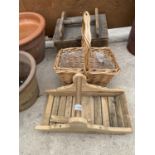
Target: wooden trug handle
78,95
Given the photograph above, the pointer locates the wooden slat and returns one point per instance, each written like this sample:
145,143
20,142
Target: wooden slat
97,107
77,21
47,112
55,105
61,26
97,22
84,93
105,111
119,113
68,109
86,109
73,111
91,129
92,108
126,116
62,106
112,112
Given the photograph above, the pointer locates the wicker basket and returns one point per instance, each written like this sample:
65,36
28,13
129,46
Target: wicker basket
86,59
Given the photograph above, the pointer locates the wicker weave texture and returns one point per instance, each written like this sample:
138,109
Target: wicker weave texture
97,63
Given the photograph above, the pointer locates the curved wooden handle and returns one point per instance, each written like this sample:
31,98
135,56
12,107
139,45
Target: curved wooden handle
86,37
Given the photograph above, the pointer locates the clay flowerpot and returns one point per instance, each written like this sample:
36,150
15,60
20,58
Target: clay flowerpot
32,34
28,86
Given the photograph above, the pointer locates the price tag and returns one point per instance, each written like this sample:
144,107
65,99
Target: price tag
78,107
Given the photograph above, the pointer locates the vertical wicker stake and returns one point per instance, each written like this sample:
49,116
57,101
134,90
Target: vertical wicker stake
86,38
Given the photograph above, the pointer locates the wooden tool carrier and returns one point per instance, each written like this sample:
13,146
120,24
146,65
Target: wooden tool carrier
68,31
97,63
83,107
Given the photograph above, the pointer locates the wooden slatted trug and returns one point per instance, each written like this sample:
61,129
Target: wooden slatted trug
103,110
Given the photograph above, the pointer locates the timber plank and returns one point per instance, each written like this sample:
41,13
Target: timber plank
112,112
127,121
68,110
97,107
86,108
105,111
62,106
55,105
47,112
119,113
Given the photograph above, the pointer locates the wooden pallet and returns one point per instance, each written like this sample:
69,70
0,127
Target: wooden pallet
82,107
68,31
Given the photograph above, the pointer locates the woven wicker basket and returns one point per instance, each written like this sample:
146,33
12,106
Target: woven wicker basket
86,59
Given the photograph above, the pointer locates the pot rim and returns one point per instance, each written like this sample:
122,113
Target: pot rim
32,70
37,31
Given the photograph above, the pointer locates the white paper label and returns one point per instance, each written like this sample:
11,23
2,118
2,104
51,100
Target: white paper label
78,107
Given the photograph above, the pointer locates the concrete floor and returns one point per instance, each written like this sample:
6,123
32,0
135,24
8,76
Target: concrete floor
33,142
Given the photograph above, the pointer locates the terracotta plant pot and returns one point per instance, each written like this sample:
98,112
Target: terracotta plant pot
28,86
32,34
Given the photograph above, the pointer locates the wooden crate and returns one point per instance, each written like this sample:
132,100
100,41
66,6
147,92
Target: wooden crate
82,107
68,31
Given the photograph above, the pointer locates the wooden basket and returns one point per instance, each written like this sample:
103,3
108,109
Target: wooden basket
84,60
83,107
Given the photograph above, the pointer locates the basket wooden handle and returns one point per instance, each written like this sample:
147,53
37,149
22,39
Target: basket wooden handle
86,38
